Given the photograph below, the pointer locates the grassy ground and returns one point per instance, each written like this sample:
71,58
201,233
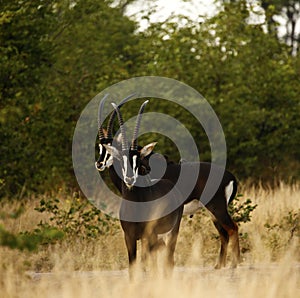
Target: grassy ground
88,267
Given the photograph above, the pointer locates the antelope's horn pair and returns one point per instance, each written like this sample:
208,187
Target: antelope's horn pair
111,118
134,143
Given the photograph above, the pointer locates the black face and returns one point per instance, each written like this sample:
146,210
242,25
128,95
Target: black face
130,159
105,160
130,164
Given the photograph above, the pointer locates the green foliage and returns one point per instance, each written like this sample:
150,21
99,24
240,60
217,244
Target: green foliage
290,11
26,58
289,224
15,214
29,240
56,55
76,217
283,234
248,77
241,212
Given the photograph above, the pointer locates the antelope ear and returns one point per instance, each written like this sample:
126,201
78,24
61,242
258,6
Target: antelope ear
146,150
113,151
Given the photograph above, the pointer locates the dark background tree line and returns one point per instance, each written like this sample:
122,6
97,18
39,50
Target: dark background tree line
57,55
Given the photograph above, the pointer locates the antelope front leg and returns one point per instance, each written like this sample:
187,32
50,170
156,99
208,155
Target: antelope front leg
172,245
145,257
152,248
131,250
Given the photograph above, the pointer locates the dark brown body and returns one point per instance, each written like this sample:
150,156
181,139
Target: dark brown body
148,231
217,205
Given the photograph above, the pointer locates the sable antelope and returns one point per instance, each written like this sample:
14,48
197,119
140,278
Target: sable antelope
157,218
217,206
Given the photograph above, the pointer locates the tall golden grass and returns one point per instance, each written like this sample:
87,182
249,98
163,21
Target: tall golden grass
79,268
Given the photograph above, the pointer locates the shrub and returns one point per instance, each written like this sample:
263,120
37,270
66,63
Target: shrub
241,212
76,217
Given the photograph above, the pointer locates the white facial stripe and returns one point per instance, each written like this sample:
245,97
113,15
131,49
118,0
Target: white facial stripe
107,162
134,162
105,157
124,168
135,170
100,149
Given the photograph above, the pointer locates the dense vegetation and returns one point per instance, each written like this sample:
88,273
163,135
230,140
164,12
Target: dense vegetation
57,55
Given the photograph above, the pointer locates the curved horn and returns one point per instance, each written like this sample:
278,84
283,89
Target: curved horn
121,123
134,143
100,122
113,116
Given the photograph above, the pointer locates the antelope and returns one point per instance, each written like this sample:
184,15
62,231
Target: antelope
157,219
217,206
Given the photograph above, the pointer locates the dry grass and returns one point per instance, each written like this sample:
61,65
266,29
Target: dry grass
80,268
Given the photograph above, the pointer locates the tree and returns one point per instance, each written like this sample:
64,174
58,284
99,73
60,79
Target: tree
26,57
248,77
55,57
290,11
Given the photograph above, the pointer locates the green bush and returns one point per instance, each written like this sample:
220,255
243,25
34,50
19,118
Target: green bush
76,217
29,240
289,224
241,212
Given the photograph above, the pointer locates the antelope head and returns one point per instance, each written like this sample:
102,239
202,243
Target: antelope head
105,159
130,158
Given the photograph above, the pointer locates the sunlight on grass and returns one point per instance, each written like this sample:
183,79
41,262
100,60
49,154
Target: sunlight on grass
77,267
